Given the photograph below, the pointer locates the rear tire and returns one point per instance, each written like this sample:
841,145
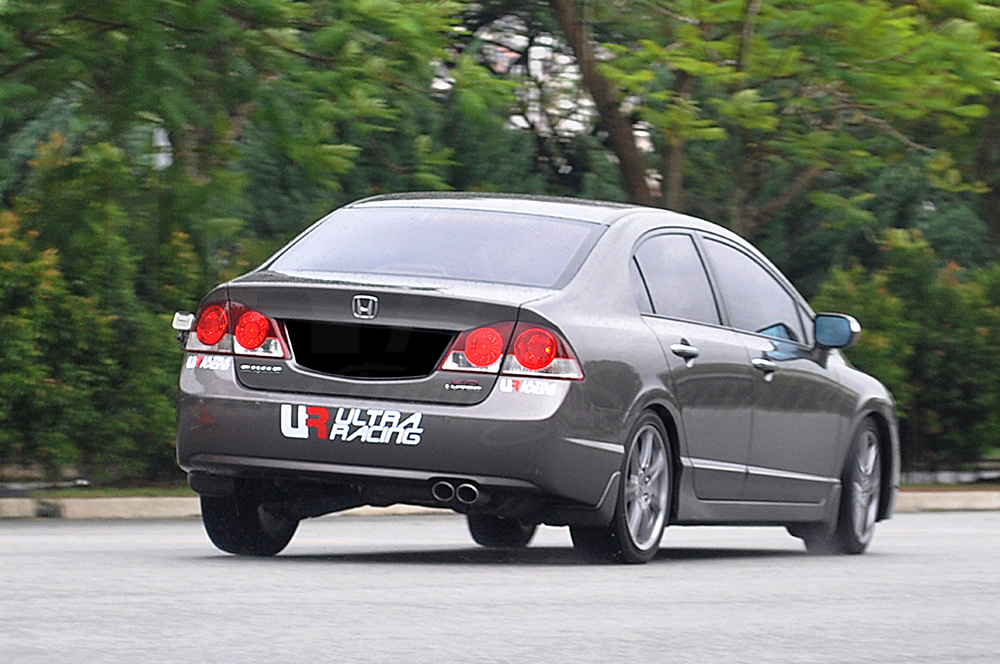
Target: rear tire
239,523
496,532
644,497
859,502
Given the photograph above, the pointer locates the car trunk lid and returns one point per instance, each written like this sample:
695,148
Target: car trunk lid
364,337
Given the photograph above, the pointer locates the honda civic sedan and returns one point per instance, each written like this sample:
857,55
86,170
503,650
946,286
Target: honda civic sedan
523,361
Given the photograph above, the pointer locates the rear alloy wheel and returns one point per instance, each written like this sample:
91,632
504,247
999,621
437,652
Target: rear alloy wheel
859,503
240,524
497,532
644,494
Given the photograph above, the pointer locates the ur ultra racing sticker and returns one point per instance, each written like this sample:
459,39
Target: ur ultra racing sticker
528,386
351,424
209,362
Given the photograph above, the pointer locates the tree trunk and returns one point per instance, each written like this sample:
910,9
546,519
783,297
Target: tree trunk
621,140
672,161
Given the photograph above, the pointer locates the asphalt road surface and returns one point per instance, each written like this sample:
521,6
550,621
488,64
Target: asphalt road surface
415,589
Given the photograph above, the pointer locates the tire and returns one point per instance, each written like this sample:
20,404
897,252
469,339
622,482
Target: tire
859,501
496,532
644,499
239,524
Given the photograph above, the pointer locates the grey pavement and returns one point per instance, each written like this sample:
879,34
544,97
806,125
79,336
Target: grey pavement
176,507
416,590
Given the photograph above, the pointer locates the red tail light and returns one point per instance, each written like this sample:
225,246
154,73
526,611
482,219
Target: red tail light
252,330
231,327
212,324
536,351
484,347
478,350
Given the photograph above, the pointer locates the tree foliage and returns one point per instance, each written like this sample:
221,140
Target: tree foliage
932,335
151,148
754,105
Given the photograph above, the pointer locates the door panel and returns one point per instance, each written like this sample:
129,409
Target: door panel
798,409
797,404
709,366
715,392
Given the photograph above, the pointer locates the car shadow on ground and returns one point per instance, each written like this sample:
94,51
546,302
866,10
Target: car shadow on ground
530,556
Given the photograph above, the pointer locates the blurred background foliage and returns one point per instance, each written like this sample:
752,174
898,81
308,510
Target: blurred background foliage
152,148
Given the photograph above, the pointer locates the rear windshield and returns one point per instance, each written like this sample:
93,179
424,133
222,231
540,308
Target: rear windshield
451,244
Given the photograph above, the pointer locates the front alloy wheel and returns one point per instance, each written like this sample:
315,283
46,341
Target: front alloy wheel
860,498
644,494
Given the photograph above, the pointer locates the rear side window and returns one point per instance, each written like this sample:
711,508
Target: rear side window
676,280
755,300
451,244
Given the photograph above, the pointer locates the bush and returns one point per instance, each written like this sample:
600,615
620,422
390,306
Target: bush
931,335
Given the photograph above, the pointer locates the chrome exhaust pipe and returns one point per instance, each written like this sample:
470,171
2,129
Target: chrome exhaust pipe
467,494
443,491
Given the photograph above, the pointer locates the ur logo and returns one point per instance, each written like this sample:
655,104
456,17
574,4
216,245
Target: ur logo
364,307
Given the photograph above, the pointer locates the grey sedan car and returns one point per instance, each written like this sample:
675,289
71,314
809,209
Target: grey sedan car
611,368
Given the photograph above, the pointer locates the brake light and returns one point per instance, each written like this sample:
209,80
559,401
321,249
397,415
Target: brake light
484,347
535,351
251,331
478,350
233,328
212,324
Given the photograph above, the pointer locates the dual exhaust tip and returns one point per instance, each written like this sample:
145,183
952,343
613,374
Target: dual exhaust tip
465,493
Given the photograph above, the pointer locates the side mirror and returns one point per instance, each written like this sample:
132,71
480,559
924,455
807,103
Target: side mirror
836,330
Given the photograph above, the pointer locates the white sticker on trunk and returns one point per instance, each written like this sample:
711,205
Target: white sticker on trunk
351,424
546,388
209,362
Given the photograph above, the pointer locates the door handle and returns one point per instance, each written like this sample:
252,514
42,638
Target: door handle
685,350
765,365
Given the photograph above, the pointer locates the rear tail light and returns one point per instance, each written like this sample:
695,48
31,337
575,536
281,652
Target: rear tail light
478,350
212,325
231,327
252,330
484,347
535,351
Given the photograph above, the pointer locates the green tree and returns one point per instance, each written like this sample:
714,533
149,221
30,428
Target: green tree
33,298
754,105
106,363
185,83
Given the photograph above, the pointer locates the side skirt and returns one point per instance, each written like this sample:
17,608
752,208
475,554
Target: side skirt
694,511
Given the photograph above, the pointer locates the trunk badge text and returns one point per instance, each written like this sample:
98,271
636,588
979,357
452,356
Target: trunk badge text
364,307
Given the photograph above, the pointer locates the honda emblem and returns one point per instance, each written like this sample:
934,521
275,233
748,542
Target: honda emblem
365,307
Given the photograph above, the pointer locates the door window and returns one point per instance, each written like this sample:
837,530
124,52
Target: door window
755,300
676,280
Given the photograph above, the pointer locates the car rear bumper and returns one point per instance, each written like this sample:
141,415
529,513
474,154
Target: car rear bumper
516,442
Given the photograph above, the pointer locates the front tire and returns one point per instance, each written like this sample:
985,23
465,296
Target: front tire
644,496
860,498
496,532
240,524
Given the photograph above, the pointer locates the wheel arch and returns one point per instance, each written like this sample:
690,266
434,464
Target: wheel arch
889,449
666,417
890,465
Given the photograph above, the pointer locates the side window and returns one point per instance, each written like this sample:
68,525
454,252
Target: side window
676,279
756,301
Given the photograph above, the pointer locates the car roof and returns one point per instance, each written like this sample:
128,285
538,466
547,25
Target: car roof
606,213
601,212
